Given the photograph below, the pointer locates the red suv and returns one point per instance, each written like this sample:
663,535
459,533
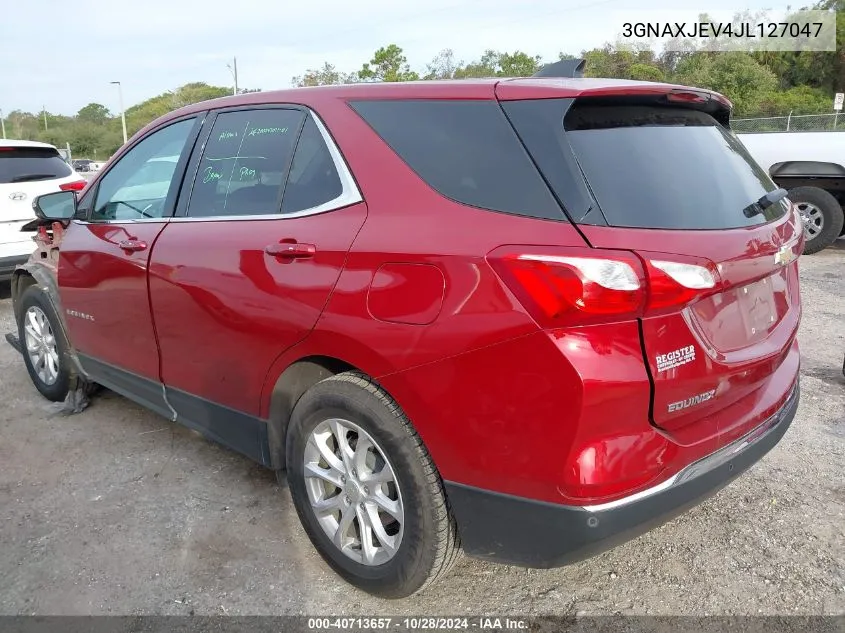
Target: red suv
524,318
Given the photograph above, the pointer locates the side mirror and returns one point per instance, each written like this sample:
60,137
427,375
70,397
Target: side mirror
55,207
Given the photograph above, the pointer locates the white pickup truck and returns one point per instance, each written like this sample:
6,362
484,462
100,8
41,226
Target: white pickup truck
811,166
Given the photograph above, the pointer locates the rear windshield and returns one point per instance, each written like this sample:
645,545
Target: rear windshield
28,164
666,168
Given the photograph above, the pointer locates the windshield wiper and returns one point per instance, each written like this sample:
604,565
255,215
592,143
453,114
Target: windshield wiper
30,177
765,202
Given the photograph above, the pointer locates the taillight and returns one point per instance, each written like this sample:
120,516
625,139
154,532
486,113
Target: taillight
675,284
77,185
572,286
562,286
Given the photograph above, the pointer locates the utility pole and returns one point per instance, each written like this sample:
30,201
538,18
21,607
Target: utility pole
234,70
122,111
2,124
44,109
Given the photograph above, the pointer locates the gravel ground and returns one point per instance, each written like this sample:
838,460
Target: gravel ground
116,511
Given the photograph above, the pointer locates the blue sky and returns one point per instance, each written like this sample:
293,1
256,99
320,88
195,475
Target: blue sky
63,54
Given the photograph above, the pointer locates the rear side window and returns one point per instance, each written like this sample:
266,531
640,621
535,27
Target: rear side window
313,179
666,168
29,164
245,163
465,150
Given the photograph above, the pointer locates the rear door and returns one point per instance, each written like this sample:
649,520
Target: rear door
104,260
677,188
244,272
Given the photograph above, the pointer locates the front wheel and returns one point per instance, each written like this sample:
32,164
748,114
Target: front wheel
44,347
366,490
821,215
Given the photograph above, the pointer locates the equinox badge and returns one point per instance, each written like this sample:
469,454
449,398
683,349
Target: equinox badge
691,402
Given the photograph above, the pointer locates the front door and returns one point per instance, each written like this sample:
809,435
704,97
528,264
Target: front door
104,261
246,271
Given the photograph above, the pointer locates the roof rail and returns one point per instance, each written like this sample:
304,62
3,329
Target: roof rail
563,68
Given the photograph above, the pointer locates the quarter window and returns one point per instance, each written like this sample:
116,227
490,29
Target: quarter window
313,179
245,163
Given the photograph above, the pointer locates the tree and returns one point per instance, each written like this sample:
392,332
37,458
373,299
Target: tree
517,64
328,75
93,113
388,64
443,66
735,74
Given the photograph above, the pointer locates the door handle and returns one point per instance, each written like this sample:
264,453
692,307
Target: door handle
132,245
291,250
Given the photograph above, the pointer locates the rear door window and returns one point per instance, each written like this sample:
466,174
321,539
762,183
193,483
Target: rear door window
666,168
245,163
465,150
30,164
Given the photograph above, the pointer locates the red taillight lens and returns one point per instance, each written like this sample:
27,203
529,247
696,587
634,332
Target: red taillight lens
563,286
77,185
674,284
572,286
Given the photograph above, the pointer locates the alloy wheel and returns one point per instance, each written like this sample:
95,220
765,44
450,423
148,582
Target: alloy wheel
41,345
812,219
354,492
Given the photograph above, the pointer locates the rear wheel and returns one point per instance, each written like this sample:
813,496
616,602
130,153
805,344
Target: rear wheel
43,345
821,215
366,490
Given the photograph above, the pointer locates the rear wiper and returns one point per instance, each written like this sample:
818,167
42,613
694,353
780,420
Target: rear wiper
33,177
765,202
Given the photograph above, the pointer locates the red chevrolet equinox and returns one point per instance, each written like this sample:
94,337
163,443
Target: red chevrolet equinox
527,319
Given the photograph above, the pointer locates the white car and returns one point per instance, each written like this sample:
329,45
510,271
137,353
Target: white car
27,170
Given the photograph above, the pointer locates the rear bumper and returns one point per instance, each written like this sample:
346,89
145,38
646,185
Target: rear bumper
8,265
530,533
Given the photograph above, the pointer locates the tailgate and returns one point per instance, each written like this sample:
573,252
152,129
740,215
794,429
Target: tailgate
717,242
722,347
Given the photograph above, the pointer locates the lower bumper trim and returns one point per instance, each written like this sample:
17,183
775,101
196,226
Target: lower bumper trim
529,533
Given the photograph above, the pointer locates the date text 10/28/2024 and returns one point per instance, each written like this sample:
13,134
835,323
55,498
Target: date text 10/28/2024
417,624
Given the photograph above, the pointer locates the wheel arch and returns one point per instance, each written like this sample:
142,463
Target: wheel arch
806,169
21,280
34,273
289,387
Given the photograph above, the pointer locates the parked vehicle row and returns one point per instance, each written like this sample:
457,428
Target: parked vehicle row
525,318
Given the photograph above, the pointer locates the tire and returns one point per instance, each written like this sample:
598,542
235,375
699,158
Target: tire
426,539
823,211
41,336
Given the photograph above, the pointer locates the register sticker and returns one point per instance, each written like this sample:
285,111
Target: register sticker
676,358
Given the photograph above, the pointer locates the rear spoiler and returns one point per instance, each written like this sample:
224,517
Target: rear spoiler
569,68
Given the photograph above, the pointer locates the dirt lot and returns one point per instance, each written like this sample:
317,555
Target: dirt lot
118,511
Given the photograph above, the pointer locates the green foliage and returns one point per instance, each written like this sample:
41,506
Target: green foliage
94,131
734,74
328,75
388,64
93,113
759,83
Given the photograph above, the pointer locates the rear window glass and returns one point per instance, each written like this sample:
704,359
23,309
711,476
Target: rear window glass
465,150
29,164
666,168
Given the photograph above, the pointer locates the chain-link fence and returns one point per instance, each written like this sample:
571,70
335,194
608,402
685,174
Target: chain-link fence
790,123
